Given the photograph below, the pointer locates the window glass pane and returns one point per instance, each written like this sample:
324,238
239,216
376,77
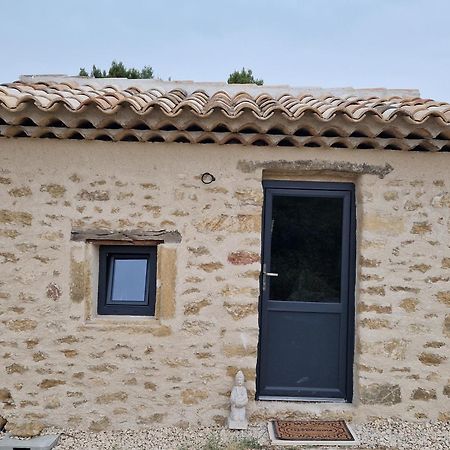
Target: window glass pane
128,284
306,249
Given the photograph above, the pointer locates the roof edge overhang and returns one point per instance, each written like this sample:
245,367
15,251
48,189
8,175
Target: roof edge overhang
309,129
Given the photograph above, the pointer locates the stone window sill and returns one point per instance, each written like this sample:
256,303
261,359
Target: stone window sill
140,325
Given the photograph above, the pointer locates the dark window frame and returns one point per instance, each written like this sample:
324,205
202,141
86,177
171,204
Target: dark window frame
107,255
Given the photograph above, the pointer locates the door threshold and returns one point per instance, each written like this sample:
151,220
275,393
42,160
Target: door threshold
300,399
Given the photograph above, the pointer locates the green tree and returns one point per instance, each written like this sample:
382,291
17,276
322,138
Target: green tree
245,76
118,70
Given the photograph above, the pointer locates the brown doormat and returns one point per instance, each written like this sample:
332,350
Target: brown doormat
313,430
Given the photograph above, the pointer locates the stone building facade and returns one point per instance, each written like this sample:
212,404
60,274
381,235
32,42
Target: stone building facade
61,199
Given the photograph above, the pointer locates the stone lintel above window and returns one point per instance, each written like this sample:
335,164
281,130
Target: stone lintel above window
133,237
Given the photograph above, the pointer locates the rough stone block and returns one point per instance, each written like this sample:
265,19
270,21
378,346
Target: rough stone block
380,394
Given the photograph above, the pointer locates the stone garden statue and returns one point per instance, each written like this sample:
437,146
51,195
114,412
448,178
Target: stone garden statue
237,420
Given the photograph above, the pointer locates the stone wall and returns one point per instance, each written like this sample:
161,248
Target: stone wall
61,365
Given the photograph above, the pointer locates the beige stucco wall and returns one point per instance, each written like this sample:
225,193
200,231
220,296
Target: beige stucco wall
61,365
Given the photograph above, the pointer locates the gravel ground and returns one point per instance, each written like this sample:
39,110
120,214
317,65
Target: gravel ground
386,434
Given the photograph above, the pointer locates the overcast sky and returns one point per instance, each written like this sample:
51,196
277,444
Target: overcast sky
328,43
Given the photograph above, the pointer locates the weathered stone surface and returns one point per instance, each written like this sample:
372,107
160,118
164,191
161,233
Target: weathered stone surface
411,205
233,224
444,297
444,416
421,227
446,327
105,399
5,396
211,266
316,166
98,196
152,419
446,390
420,268
25,429
401,300
196,327
71,339
392,348
49,383
21,324
431,359
79,285
240,310
8,257
11,234
2,422
379,309
382,224
167,269
254,274
55,190
52,403
191,291
238,350
70,353
15,217
53,291
250,197
193,396
374,290
442,200
195,307
424,394
434,344
380,394
199,251
405,289
177,362
375,324
161,331
101,424
365,262
409,304
230,290
104,233
243,257
23,191
103,368
390,196
16,368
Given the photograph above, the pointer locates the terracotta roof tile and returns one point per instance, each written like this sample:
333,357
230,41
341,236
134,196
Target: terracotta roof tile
107,98
300,118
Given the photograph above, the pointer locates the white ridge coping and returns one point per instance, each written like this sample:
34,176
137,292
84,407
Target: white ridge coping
211,87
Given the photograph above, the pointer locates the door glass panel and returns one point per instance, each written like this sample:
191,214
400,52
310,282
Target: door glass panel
306,249
129,277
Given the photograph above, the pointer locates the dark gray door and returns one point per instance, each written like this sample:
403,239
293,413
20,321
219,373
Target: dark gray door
307,292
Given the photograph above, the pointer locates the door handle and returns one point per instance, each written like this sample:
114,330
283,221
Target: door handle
266,274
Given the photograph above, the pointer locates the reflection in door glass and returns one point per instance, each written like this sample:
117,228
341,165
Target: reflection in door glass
306,249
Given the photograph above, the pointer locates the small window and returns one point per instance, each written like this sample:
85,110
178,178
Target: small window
127,280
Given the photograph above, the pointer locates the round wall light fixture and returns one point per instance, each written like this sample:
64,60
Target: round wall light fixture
208,178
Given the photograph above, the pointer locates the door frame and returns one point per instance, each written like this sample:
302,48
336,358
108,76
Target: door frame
350,336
